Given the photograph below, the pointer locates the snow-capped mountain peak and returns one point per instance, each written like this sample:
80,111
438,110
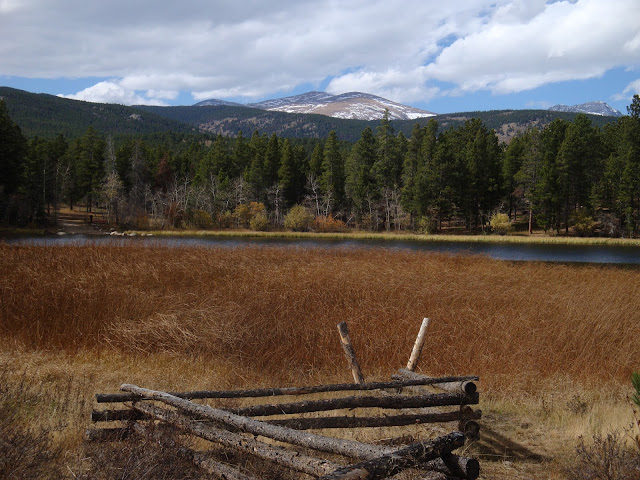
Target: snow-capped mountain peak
352,105
593,108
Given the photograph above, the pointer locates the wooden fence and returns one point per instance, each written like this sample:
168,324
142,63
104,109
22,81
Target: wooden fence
408,399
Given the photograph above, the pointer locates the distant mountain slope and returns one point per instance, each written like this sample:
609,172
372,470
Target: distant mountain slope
352,106
217,103
228,120
593,108
47,116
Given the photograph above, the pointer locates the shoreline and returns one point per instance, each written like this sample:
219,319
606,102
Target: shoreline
411,237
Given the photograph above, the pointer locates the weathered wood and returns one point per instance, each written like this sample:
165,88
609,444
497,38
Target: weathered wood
282,456
369,422
417,346
395,462
470,428
464,386
389,401
350,353
453,465
348,448
272,392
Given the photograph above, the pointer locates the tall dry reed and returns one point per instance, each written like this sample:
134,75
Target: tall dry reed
274,310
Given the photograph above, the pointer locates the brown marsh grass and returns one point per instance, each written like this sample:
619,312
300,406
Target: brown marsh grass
554,344
274,310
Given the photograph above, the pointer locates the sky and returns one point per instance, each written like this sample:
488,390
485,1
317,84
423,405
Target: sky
462,55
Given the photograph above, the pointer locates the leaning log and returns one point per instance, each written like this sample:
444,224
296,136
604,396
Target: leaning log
348,448
395,462
389,401
417,346
272,392
455,386
282,456
369,422
350,353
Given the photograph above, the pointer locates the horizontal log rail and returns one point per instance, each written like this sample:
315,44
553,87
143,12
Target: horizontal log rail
371,422
272,392
459,385
323,422
390,401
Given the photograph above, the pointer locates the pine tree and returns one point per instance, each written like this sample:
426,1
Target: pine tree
13,149
360,185
332,179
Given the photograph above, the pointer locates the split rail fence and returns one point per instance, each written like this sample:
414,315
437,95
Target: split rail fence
408,399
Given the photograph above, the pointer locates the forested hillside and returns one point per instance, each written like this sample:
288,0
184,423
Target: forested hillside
46,116
568,175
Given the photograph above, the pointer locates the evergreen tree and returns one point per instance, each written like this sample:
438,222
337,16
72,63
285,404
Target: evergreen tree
332,179
288,175
90,165
13,149
271,162
360,184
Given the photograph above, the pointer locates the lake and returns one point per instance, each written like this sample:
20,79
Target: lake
604,254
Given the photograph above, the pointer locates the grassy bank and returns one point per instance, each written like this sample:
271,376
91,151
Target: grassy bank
413,237
554,345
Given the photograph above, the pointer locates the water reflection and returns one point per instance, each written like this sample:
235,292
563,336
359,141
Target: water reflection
501,251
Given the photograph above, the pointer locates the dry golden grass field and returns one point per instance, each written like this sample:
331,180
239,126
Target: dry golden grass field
554,345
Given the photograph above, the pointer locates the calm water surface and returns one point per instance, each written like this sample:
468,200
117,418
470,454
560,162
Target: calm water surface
506,251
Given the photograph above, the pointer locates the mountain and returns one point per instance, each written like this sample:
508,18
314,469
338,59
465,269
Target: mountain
352,106
593,108
43,115
47,115
217,103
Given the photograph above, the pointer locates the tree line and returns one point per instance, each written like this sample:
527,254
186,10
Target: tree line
567,175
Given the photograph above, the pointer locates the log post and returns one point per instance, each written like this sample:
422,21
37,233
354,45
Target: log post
350,353
417,346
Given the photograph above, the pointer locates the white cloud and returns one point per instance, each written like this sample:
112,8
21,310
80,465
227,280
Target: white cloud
564,41
113,92
627,94
401,50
